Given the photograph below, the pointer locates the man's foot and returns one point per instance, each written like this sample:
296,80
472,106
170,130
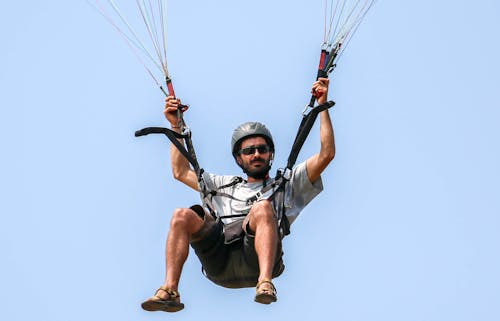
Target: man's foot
165,299
265,292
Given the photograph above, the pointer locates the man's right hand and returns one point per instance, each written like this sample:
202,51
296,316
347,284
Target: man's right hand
170,111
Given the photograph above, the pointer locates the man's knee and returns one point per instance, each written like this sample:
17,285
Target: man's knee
263,211
185,217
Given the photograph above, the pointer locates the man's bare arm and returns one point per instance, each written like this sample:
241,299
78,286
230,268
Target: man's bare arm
317,163
181,169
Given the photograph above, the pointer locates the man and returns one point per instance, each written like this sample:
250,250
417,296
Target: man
241,246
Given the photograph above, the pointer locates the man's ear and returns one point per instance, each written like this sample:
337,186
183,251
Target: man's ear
239,160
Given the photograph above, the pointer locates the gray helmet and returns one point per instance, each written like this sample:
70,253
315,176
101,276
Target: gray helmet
250,129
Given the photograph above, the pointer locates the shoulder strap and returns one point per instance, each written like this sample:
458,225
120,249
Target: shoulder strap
304,130
234,181
173,137
216,192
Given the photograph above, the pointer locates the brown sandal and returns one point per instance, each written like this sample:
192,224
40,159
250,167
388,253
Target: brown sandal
265,296
156,303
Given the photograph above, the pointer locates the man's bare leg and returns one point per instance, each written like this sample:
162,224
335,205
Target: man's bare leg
184,223
262,221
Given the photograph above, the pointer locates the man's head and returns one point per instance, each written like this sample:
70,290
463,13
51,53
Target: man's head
253,149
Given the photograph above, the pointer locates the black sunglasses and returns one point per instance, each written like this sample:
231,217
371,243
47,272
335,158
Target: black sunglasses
250,150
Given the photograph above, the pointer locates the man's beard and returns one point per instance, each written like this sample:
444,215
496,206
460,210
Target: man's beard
259,172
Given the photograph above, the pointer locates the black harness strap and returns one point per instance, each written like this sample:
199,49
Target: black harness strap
275,182
234,181
173,136
188,153
216,193
233,216
282,178
304,129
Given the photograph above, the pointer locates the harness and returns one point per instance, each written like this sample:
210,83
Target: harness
277,184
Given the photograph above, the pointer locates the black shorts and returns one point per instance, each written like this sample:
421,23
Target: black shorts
233,265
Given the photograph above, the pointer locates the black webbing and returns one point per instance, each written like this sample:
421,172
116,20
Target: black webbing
305,127
233,216
173,136
234,181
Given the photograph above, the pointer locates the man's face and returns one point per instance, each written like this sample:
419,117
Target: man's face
255,157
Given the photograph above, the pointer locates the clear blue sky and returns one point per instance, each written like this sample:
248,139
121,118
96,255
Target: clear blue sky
407,228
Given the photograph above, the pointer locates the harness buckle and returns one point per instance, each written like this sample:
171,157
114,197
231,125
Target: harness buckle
186,130
254,198
287,173
329,71
304,112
